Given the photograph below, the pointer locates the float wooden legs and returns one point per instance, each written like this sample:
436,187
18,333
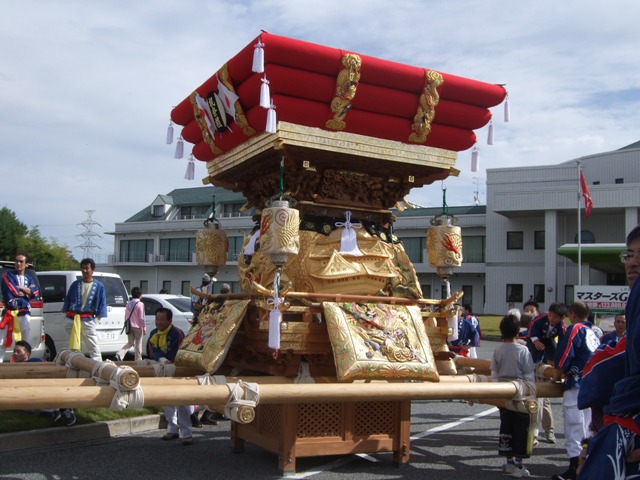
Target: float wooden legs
293,431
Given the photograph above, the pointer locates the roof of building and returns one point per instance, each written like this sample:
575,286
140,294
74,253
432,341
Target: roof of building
433,211
181,197
631,146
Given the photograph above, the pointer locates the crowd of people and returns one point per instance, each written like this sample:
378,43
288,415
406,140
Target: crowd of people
600,374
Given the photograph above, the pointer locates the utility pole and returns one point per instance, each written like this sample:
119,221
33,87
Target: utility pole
88,245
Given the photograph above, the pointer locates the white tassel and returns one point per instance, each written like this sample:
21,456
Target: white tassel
191,169
274,329
265,94
452,323
475,159
506,109
258,58
349,237
179,148
490,134
275,316
170,133
271,119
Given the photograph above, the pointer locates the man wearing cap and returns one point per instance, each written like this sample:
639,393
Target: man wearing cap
197,302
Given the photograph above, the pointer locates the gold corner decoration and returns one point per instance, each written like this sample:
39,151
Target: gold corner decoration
346,86
241,118
426,111
202,123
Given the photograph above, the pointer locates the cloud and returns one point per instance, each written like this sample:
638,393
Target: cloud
86,87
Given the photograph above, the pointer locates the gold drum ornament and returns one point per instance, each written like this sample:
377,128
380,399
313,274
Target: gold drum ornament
279,232
212,247
444,246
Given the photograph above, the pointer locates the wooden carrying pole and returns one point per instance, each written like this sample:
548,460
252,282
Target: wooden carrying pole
482,365
51,370
128,378
170,382
33,397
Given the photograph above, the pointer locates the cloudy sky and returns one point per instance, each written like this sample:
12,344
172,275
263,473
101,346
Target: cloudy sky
86,87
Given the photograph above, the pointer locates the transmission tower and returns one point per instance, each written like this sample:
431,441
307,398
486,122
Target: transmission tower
476,191
88,245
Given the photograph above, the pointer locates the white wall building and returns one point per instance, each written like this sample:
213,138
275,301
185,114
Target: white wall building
509,247
533,211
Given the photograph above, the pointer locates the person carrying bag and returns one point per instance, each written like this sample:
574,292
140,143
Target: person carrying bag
134,326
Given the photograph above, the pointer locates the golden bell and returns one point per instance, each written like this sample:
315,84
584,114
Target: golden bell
444,247
279,232
212,247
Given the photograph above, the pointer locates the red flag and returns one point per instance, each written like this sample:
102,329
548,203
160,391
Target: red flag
588,203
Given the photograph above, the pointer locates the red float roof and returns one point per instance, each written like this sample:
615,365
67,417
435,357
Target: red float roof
335,90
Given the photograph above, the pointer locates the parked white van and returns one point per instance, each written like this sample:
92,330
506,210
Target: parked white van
53,289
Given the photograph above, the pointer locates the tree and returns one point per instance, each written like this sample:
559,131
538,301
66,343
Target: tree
11,230
44,255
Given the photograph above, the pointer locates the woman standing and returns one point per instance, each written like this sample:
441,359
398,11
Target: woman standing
135,314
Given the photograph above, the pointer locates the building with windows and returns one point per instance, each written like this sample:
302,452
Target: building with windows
520,246
533,220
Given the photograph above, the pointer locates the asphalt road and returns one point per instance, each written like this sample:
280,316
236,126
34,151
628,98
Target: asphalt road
450,440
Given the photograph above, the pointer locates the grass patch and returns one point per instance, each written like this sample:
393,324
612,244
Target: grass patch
490,325
20,420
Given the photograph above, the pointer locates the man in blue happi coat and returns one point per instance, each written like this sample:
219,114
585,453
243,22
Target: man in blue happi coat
614,452
84,306
18,289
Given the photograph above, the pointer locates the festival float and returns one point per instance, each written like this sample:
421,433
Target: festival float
331,337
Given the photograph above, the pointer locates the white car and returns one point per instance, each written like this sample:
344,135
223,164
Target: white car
178,304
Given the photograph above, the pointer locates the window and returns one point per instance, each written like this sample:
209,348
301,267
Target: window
473,248
144,286
426,291
538,240
515,240
53,288
619,180
150,306
538,293
135,250
467,296
185,213
190,212
514,292
232,210
235,248
158,210
177,249
127,285
414,246
166,285
186,288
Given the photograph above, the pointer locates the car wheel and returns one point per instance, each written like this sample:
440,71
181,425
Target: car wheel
49,349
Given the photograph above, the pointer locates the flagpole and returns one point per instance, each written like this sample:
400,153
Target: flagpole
579,229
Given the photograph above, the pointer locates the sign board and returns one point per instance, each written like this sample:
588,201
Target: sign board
602,298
